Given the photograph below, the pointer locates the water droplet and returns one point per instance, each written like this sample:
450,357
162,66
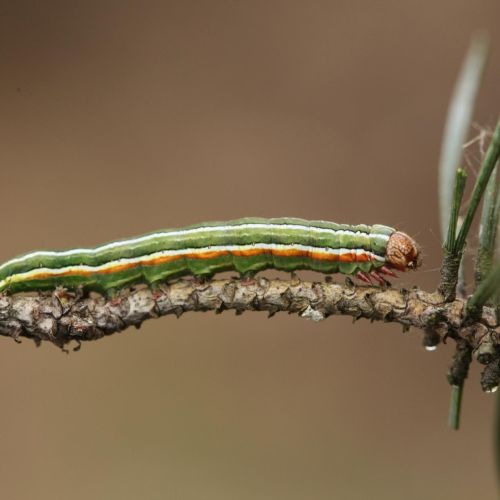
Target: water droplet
492,389
431,348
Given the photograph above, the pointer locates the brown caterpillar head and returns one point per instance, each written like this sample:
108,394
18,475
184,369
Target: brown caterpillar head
402,252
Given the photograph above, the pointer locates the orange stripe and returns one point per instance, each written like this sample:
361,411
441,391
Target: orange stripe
346,257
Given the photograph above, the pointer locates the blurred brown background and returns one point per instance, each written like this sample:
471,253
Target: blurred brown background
119,118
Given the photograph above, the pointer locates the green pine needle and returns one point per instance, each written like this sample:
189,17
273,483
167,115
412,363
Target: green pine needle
489,162
455,406
488,228
458,122
489,287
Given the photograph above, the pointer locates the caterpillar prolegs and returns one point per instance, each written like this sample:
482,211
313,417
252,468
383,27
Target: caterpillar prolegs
245,245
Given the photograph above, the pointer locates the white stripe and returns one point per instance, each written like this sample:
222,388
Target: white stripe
216,248
183,232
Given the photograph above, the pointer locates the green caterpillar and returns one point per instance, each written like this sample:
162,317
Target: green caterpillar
244,245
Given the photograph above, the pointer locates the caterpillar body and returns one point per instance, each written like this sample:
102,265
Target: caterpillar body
245,245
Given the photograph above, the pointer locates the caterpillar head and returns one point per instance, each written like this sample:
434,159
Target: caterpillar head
402,252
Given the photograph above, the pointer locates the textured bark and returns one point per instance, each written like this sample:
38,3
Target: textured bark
62,316
450,275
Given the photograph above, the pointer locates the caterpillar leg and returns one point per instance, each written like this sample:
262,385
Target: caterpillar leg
388,271
378,278
113,296
248,277
364,277
372,275
202,279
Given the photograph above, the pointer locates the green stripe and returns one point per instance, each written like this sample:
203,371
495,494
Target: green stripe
369,238
182,267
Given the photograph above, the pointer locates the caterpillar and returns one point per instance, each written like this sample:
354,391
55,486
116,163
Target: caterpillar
245,245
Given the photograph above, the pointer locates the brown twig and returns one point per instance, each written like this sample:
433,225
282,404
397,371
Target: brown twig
62,316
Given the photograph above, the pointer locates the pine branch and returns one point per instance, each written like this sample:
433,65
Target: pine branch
460,113
451,258
61,317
